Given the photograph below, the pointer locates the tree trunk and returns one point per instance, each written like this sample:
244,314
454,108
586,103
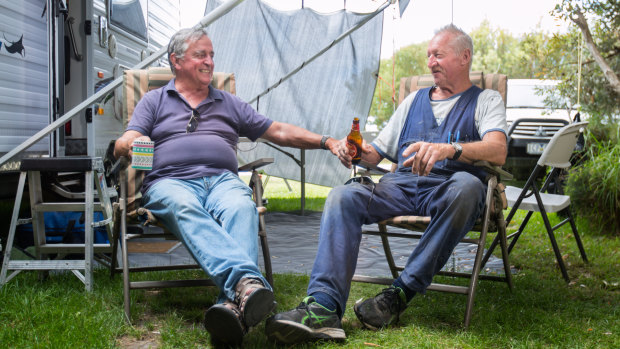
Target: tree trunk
609,74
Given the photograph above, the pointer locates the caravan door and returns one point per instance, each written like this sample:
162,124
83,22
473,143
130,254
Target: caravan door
112,36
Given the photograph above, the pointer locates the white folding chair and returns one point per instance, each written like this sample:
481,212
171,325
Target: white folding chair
555,156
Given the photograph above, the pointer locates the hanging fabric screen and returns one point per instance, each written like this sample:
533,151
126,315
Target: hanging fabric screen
261,45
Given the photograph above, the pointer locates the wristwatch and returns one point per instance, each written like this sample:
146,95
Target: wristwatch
458,149
323,141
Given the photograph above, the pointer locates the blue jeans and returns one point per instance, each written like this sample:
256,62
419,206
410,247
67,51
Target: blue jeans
216,220
454,202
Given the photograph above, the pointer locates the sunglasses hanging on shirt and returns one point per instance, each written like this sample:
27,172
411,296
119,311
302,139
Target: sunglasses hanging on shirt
192,125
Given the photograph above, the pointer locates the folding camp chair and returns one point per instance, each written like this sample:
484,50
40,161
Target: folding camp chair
135,84
492,219
556,156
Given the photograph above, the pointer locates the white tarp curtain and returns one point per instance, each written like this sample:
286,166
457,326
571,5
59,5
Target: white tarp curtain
261,45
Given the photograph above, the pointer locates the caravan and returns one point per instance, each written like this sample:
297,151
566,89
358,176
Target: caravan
54,54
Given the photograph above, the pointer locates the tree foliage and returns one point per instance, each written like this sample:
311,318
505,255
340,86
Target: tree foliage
535,55
410,60
603,17
497,51
597,94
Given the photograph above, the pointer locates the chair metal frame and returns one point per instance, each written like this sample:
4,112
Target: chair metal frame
491,220
555,156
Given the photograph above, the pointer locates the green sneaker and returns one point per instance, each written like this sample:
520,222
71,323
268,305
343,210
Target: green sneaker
310,321
383,310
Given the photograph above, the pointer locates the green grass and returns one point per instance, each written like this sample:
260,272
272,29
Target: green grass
542,311
281,199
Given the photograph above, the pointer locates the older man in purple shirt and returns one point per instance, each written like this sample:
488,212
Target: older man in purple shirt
194,188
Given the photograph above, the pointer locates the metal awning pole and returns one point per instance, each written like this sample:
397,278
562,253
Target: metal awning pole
205,21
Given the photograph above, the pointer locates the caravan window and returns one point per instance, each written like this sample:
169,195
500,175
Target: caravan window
129,15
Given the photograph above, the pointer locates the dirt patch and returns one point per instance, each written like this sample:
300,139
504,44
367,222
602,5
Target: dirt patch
149,341
142,337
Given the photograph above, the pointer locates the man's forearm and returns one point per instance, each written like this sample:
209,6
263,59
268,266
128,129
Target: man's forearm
122,146
495,153
492,148
293,136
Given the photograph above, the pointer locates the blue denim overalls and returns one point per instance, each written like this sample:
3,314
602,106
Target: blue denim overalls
452,194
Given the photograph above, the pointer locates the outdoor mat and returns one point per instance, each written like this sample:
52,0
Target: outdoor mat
152,246
293,241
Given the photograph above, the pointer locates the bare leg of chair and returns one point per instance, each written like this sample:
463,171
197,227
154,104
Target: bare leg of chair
115,239
515,236
554,244
518,233
266,254
577,237
123,247
487,255
501,236
388,251
257,188
473,281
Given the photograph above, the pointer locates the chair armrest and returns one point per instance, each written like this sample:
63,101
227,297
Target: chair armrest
496,170
251,166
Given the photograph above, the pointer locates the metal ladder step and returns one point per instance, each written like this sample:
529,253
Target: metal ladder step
63,206
73,248
46,265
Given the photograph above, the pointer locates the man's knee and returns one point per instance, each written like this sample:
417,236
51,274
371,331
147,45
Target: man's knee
234,204
463,193
241,205
467,187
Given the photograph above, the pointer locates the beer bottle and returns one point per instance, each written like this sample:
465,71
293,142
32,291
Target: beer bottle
354,142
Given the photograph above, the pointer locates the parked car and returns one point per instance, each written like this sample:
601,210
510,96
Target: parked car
530,123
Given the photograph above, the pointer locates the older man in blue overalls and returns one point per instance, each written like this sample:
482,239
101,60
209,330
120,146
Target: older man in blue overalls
435,136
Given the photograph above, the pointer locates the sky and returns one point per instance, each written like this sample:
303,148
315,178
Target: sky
423,17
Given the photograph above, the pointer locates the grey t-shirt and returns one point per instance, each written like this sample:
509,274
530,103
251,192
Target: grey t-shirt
490,116
163,115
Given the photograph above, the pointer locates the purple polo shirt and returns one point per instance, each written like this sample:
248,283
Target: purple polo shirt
163,114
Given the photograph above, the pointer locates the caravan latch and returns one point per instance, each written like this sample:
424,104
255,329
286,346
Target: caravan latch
70,22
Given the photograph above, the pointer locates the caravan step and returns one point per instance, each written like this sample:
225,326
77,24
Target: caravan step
47,265
64,207
73,248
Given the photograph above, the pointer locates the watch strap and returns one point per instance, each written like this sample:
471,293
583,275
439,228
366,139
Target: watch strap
323,141
458,150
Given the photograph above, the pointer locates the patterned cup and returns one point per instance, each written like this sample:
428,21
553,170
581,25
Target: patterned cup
142,158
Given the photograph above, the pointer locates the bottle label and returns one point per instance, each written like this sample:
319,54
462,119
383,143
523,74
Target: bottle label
355,152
